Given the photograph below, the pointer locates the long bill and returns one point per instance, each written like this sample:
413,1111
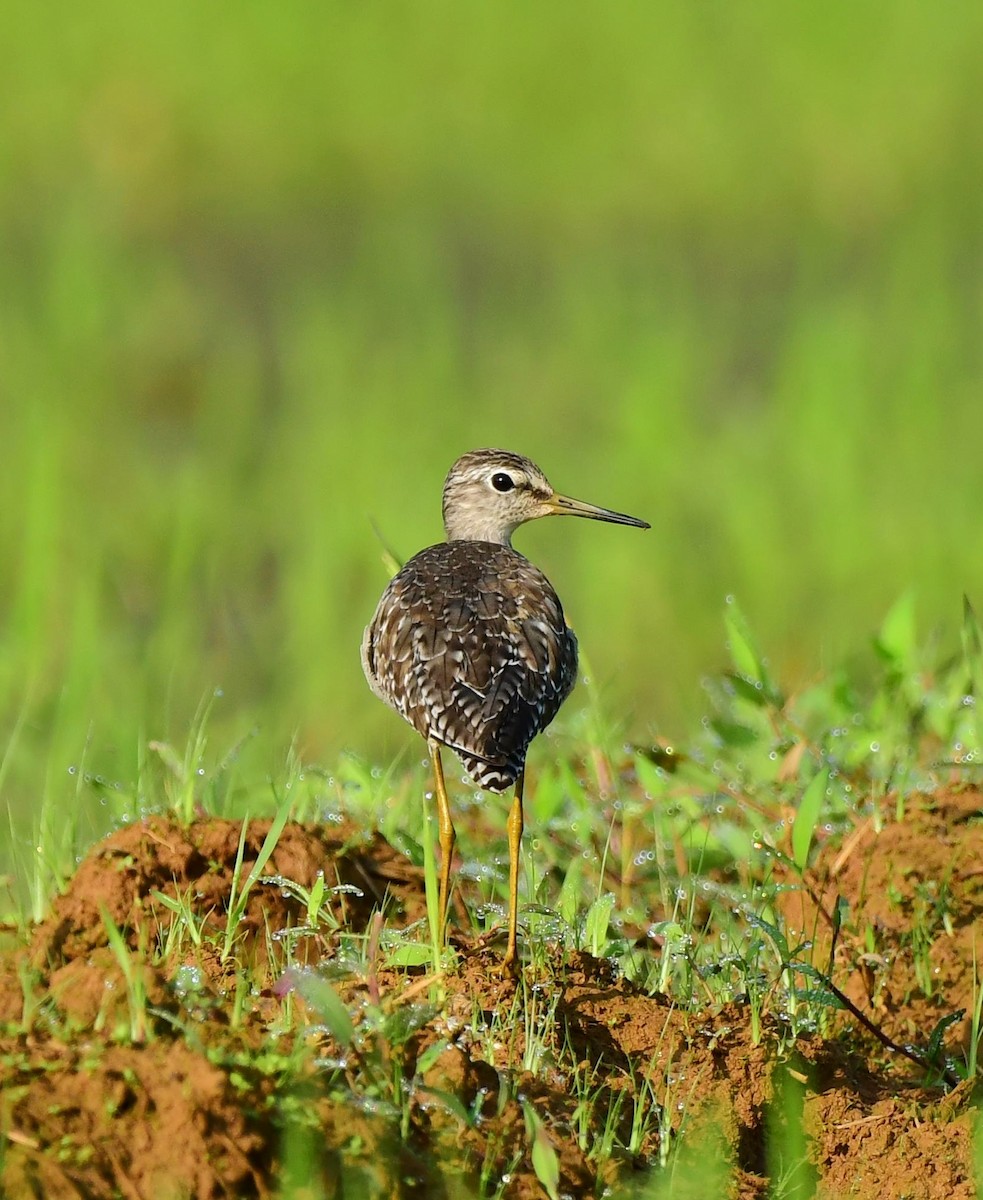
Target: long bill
566,506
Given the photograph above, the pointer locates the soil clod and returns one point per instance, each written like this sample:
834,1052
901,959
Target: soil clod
130,1072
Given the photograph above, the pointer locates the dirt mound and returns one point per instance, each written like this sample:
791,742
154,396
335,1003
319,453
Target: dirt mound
909,895
149,1120
120,876
144,1066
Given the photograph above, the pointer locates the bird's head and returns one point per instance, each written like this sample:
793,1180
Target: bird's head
488,494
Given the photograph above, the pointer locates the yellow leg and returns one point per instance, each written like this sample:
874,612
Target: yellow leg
445,827
515,840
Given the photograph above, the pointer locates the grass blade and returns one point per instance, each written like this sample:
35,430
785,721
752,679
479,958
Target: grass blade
328,1005
743,652
239,897
804,825
896,640
544,1160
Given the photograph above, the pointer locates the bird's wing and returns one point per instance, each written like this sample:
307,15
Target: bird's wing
472,648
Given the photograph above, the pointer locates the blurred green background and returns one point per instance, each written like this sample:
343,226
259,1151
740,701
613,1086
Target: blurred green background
267,270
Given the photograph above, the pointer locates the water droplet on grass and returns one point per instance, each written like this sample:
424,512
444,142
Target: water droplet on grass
188,979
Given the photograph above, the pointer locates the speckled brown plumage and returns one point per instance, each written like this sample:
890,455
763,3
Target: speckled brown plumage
469,644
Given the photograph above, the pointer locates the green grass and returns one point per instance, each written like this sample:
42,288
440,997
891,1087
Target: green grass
262,284
718,269
702,836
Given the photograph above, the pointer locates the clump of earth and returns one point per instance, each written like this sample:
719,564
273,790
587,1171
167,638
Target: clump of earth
224,1077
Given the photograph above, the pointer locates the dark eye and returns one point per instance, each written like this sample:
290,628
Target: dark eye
502,482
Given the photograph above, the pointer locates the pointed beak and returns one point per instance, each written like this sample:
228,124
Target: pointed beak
566,506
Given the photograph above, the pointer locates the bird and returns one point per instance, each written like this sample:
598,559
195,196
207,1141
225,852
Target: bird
469,643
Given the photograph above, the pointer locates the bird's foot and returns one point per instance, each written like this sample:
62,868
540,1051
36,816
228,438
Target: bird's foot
510,967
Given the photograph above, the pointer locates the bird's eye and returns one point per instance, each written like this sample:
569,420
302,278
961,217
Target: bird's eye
502,482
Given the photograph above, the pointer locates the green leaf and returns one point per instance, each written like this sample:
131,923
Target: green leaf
596,924
673,935
410,954
822,997
449,1101
267,848
408,846
747,689
566,904
544,1160
117,944
807,817
328,1005
810,972
935,1043
731,733
315,899
743,652
430,1056
776,936
972,646
896,641
168,902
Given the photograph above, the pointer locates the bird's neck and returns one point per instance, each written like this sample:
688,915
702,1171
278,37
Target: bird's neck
463,529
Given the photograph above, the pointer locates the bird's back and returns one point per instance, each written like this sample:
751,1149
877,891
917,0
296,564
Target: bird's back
469,644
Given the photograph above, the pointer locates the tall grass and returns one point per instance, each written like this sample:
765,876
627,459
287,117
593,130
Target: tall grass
263,280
